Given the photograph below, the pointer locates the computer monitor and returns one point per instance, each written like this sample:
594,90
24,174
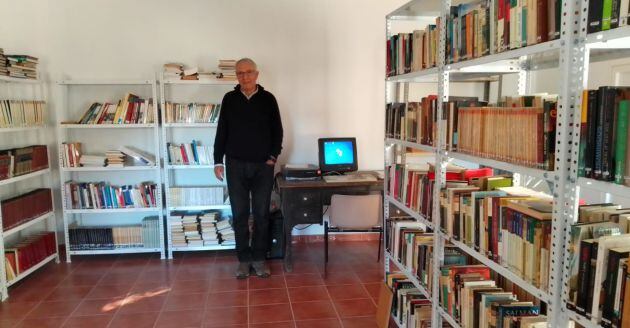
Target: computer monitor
338,154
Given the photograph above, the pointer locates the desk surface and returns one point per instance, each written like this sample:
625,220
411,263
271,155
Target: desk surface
321,183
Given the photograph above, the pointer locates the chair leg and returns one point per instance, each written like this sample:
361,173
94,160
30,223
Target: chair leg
380,242
326,242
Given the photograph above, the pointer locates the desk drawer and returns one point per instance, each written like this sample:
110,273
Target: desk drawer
304,199
306,214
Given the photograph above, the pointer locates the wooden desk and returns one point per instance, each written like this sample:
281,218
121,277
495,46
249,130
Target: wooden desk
302,203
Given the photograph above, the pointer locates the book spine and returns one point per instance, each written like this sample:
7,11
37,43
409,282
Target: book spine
591,280
583,274
614,17
607,8
621,137
589,156
542,21
595,16
583,135
599,136
609,288
608,134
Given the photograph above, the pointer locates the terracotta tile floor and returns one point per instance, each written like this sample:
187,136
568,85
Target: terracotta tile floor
198,290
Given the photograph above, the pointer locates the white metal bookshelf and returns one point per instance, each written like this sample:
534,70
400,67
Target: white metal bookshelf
77,96
15,186
568,55
182,91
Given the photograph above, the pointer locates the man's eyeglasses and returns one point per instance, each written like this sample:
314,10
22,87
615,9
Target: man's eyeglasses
248,73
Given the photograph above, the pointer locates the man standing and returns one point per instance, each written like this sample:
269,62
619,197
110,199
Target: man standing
249,134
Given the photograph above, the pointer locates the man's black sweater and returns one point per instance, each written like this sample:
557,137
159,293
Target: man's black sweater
249,129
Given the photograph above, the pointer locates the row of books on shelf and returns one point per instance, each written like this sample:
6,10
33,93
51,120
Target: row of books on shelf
19,161
102,195
598,265
130,110
606,15
413,121
143,235
190,153
411,52
192,112
509,225
408,305
22,113
477,297
604,135
25,207
519,130
467,290
28,252
197,196
19,66
487,27
205,228
123,156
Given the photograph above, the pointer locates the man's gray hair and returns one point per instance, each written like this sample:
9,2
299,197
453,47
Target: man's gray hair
247,61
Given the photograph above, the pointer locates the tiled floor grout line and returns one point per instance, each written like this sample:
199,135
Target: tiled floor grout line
286,287
333,303
369,295
165,301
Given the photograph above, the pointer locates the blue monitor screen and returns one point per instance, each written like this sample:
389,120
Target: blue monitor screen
338,152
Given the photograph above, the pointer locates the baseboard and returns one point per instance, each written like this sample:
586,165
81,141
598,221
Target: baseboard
350,236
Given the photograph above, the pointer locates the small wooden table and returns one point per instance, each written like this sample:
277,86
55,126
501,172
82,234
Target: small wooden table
303,202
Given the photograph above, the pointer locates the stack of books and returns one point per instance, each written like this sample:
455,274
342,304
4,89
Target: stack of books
191,230
228,69
226,232
178,239
173,71
92,161
22,66
3,63
191,73
115,158
208,229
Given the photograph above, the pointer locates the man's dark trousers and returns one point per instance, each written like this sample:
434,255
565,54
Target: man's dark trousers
244,178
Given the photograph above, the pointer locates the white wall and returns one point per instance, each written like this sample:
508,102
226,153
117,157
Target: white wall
324,60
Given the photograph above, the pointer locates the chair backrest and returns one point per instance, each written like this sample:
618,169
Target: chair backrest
356,211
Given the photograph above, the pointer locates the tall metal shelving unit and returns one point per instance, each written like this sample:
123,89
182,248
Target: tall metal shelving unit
172,131
38,92
570,55
99,90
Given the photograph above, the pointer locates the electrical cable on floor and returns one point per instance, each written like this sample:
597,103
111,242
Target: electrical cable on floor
326,210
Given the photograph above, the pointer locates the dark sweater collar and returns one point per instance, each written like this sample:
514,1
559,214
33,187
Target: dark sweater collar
238,87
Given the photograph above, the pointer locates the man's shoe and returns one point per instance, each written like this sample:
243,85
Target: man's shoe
261,268
242,271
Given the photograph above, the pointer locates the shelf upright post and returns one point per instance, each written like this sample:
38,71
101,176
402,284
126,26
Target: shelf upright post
440,167
574,62
62,134
166,173
571,65
388,33
157,171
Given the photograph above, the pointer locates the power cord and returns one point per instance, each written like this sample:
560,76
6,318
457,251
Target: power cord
326,210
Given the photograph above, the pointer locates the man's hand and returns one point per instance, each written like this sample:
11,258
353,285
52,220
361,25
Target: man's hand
268,162
219,171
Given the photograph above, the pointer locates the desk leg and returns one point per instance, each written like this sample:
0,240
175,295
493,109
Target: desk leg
288,254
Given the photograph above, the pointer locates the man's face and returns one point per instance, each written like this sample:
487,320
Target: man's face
247,75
